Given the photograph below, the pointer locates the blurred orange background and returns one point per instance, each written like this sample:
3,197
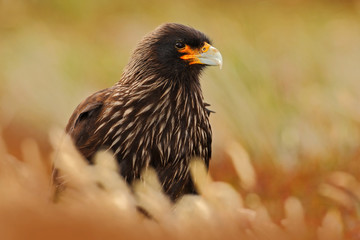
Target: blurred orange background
288,94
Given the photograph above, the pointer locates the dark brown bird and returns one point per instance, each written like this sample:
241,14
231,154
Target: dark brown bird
155,115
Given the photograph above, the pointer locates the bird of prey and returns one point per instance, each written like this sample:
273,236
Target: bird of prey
155,115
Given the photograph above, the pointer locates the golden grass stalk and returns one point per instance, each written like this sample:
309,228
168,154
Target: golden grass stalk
98,203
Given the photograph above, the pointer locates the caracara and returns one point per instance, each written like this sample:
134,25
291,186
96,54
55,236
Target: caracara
155,116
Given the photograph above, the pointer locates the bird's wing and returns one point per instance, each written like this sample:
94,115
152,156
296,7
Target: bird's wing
82,124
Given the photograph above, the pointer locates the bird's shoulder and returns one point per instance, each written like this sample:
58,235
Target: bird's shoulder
83,121
87,109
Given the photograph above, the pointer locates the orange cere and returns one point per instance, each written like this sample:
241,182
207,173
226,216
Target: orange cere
192,54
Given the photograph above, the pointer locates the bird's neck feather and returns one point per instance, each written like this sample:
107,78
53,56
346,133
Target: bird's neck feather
154,81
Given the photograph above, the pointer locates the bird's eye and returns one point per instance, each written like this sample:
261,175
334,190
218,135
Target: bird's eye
179,45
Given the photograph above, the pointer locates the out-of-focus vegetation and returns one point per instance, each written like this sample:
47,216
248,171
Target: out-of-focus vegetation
97,203
288,91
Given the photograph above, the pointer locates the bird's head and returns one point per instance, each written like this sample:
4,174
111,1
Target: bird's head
175,51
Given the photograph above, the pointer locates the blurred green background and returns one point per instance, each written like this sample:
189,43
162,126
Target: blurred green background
289,89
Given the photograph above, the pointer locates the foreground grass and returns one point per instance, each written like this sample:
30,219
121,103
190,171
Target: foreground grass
97,203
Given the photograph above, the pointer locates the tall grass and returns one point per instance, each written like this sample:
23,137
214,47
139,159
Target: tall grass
97,202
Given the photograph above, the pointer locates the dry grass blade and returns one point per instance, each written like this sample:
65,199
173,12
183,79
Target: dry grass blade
332,227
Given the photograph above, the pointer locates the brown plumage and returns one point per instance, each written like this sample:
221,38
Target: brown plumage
155,115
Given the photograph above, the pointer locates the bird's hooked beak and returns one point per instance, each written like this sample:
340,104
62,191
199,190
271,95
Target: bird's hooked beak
207,55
